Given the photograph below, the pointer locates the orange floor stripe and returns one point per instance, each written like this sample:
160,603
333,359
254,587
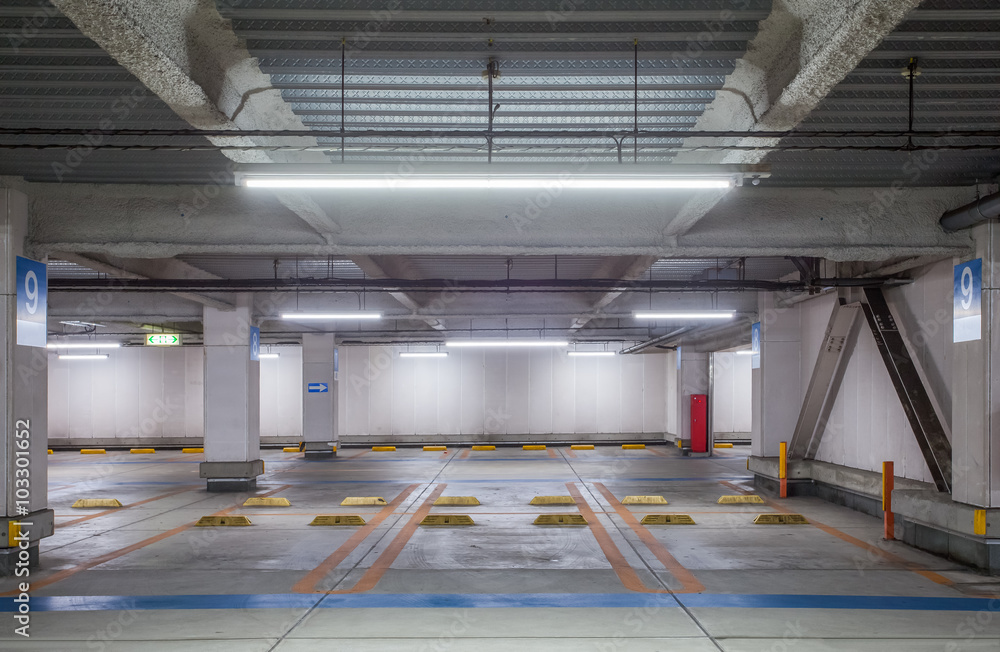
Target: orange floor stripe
309,581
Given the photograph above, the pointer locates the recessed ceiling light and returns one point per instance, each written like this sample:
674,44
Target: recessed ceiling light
301,316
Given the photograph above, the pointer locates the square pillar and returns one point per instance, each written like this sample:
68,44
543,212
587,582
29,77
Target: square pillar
319,408
232,400
777,385
976,389
693,377
23,405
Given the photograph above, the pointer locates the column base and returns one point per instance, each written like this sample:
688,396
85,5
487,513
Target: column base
231,476
10,557
231,484
319,450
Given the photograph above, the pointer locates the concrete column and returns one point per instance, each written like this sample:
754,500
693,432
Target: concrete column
24,392
319,408
232,400
778,386
976,389
692,378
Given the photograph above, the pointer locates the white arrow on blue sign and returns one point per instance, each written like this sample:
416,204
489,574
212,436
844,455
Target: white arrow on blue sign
318,388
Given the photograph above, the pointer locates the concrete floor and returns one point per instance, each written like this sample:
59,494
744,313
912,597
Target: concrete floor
141,577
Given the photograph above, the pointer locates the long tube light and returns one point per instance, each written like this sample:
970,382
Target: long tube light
83,356
426,354
83,345
715,314
486,182
300,316
744,352
591,353
268,355
506,343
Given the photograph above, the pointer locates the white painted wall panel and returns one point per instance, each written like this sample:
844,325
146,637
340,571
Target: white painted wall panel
654,391
473,393
563,393
731,399
609,395
425,381
631,393
153,393
540,399
518,392
449,398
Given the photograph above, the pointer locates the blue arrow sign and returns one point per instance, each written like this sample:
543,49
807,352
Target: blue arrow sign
318,388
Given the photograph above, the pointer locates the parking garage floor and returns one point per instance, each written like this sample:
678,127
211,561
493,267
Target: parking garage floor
112,579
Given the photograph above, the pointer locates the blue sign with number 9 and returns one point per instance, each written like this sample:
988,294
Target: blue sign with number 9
32,302
968,301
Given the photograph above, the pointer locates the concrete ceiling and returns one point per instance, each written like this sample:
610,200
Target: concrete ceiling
276,65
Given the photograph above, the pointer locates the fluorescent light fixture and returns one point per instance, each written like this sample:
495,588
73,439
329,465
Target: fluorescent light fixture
82,324
591,353
83,356
715,314
268,355
541,176
745,352
506,343
488,182
83,345
301,316
427,354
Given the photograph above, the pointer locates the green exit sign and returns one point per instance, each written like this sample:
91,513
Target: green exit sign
163,339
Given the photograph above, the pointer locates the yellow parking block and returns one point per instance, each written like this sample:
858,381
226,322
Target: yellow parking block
435,448
383,449
633,447
533,447
92,451
142,451
582,447
484,448
192,450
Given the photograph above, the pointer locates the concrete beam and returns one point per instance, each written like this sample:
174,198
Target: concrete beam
842,224
628,269
190,57
166,268
801,52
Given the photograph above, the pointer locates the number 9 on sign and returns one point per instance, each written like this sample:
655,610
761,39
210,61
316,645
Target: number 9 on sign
967,287
31,302
968,301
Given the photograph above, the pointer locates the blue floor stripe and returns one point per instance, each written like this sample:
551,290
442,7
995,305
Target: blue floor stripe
501,600
866,602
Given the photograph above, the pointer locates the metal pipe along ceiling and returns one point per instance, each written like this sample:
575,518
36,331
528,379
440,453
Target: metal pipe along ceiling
984,208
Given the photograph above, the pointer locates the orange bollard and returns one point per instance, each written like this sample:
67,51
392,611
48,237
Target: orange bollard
783,468
888,478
